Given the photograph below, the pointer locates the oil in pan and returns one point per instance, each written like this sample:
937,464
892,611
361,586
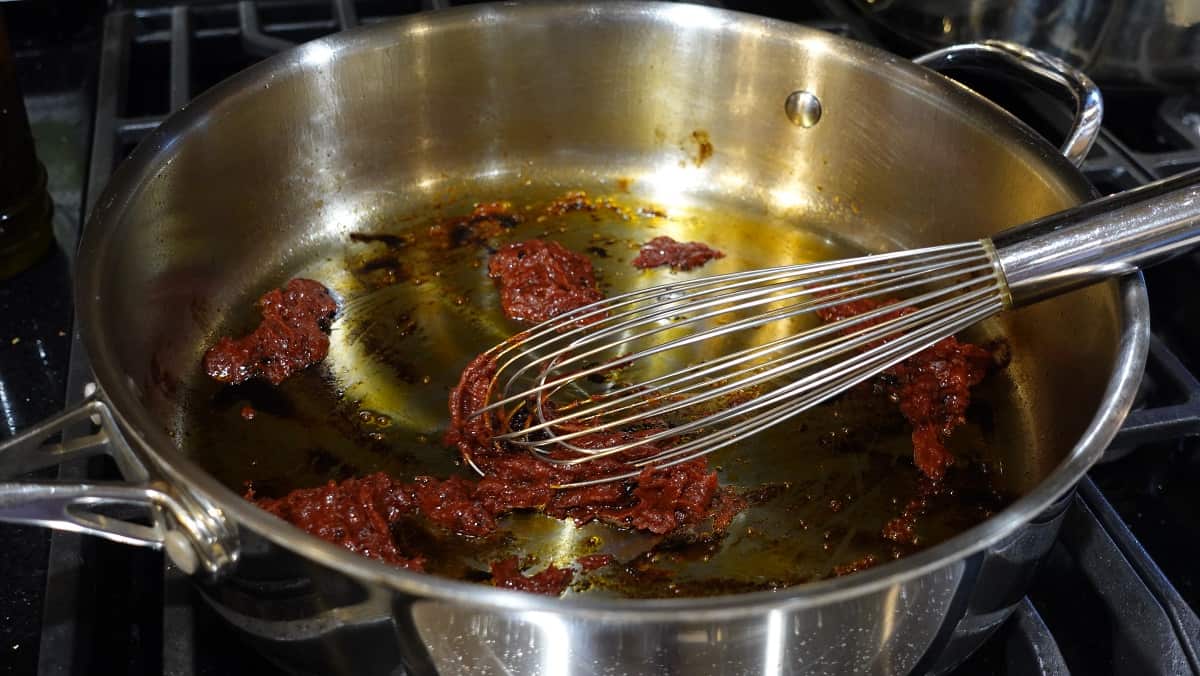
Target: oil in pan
416,305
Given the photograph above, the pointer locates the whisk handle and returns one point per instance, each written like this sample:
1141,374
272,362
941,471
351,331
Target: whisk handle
1108,237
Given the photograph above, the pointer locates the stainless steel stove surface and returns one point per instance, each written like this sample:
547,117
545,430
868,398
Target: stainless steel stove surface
1118,594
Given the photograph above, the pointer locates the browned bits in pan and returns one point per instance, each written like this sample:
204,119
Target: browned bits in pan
485,222
552,581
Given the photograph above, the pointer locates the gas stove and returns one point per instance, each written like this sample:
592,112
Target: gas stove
1118,594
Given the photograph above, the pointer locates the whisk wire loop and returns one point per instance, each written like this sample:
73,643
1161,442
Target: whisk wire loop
848,343
826,295
681,370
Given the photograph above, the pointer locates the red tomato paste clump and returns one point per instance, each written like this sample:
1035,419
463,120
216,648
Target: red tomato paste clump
679,255
291,336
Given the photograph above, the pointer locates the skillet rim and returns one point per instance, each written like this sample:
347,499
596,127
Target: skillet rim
157,150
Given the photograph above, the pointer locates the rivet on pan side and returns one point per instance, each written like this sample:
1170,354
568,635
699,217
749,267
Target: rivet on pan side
181,552
803,108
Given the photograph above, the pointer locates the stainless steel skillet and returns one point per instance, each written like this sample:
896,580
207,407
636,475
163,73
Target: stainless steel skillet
248,183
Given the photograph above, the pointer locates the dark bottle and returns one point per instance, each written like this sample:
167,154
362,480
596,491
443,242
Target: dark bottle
25,206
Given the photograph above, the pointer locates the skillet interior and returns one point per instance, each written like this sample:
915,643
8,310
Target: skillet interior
413,314
329,145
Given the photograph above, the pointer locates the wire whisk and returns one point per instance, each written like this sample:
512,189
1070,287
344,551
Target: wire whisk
694,366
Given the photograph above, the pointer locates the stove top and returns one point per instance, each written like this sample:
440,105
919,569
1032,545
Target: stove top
1117,595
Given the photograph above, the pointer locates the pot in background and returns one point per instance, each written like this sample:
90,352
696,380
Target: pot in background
1136,43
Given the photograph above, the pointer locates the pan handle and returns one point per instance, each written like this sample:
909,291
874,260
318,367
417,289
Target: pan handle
142,510
1047,72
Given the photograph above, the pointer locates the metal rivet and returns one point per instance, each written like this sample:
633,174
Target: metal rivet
89,389
181,552
803,108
